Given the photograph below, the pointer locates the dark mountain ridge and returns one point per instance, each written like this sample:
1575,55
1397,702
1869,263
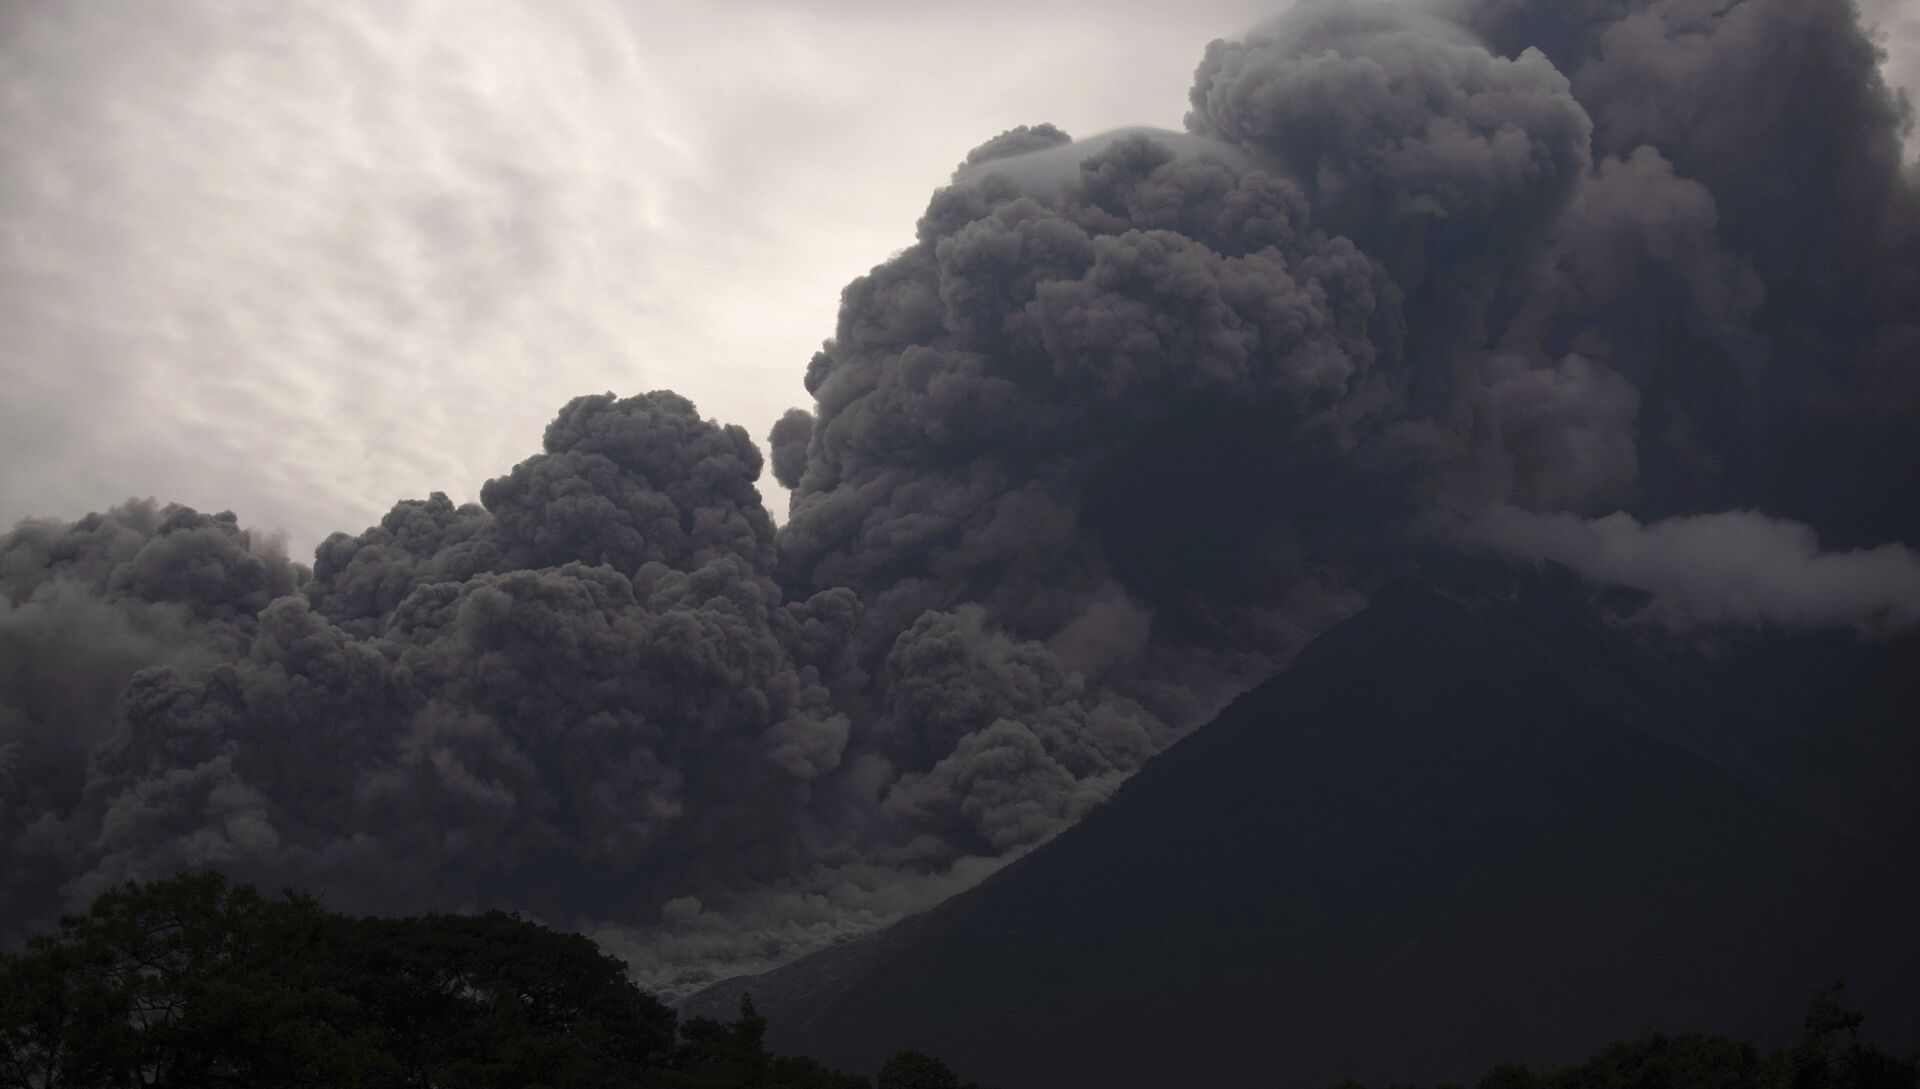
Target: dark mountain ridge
1475,823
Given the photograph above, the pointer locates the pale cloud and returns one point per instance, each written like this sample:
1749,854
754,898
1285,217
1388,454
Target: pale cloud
1896,27
302,260
1738,568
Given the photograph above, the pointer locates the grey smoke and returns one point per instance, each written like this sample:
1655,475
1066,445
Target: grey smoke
1043,162
84,607
1410,136
788,440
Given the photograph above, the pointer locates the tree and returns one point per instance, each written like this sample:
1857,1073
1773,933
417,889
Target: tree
713,1055
189,982
193,982
716,1054
1653,1060
495,1000
913,1070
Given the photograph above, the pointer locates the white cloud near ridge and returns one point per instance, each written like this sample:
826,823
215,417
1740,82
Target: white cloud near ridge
1732,568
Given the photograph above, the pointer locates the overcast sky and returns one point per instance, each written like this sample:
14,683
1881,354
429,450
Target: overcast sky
301,260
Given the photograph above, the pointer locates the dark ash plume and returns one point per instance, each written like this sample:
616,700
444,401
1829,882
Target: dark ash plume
788,440
84,607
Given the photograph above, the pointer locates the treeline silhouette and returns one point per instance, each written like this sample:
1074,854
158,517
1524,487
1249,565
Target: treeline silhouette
195,982
1828,1055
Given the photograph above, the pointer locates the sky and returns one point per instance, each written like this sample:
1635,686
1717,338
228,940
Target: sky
302,260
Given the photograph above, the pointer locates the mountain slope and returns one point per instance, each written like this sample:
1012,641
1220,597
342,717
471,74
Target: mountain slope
1469,825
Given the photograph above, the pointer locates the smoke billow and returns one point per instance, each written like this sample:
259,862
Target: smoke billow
84,608
1131,421
570,698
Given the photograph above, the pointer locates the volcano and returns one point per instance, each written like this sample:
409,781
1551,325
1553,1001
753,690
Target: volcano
1484,820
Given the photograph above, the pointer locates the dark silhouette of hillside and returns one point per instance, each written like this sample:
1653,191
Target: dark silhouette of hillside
1474,824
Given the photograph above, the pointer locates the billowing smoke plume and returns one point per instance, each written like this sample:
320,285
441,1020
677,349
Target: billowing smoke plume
1747,254
568,700
83,608
1131,421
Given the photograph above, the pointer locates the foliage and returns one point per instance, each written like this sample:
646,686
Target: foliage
492,1000
183,982
912,1070
194,982
720,1056
1827,1055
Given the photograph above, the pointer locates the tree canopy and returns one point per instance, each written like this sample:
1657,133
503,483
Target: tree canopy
1827,1055
196,982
